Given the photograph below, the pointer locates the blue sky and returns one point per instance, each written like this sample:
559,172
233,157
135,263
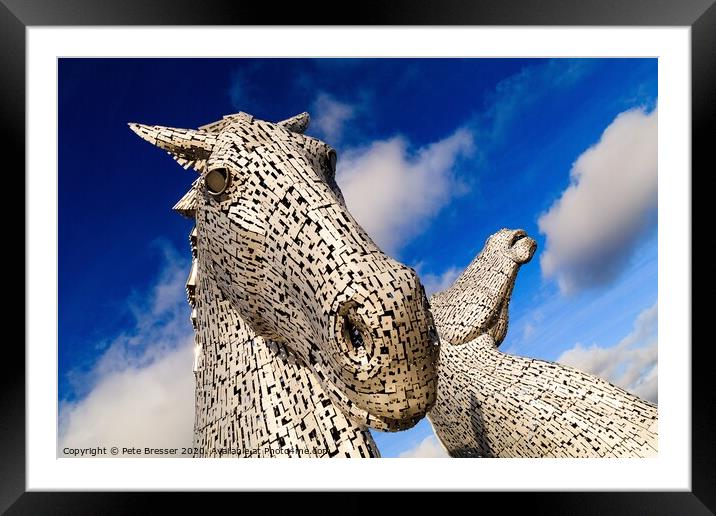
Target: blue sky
434,156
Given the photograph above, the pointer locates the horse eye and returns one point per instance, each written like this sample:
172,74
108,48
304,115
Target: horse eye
332,160
217,180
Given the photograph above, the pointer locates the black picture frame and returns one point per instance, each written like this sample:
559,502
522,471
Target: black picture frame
699,15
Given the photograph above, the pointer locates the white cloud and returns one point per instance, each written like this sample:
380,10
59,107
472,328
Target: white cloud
330,116
136,407
630,364
393,192
140,391
594,227
434,283
429,447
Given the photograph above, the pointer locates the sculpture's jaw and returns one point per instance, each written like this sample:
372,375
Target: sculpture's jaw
383,351
497,328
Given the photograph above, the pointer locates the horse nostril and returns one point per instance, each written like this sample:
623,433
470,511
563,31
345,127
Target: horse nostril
519,235
355,341
354,335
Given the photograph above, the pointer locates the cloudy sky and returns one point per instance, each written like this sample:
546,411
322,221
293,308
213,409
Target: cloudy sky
434,156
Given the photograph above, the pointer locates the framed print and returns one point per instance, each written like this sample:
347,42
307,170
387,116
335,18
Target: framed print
421,237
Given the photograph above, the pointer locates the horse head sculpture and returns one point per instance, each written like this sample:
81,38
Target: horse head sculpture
478,302
273,234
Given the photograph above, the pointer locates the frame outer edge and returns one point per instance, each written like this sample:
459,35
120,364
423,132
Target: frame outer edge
703,112
12,100
12,379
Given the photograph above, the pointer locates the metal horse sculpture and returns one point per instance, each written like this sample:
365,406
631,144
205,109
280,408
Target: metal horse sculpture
306,333
491,404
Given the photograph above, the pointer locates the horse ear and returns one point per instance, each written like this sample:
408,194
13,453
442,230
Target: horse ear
189,145
296,124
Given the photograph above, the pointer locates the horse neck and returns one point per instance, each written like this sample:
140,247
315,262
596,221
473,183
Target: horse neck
255,397
492,404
